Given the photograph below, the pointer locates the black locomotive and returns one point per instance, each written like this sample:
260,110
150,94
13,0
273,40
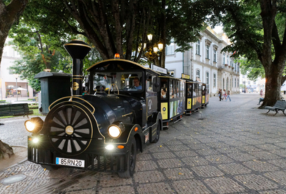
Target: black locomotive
101,131
104,130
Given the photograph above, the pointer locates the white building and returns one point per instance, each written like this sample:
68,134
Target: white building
8,79
205,62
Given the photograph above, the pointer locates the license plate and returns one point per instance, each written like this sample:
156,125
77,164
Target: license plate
70,162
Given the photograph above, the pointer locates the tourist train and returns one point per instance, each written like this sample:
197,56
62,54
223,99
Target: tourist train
127,107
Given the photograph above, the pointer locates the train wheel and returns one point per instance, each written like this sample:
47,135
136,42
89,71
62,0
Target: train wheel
157,133
131,161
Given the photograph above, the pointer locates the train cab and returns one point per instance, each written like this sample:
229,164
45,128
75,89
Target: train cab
205,95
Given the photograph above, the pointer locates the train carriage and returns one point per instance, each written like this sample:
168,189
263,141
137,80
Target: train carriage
205,95
104,130
171,97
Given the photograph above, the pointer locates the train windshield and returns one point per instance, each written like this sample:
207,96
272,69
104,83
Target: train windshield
117,81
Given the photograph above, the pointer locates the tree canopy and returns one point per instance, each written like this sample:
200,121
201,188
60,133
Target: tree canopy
114,26
252,26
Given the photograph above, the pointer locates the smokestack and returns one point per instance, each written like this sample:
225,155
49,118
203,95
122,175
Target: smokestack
77,50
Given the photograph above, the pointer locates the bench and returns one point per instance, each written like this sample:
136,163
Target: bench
279,105
15,109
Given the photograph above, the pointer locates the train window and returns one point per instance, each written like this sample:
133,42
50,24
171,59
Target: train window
149,82
171,90
189,90
114,81
164,89
178,89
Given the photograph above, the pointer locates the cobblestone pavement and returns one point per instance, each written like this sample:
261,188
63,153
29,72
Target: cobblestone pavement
236,148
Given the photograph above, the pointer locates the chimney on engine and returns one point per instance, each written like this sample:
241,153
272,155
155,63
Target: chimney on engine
77,50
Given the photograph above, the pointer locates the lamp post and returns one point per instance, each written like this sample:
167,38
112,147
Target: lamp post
16,76
153,50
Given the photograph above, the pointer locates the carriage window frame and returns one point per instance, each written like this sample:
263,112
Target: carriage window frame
162,82
138,72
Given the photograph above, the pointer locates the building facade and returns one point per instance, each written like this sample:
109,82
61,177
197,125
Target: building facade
8,85
205,62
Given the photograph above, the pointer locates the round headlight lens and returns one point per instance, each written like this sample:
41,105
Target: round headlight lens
30,126
34,125
114,131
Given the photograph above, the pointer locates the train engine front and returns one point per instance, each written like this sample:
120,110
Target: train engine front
96,132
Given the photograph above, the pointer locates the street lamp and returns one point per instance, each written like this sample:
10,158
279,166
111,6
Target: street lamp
153,50
16,76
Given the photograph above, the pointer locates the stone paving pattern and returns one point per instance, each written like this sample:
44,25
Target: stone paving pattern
237,148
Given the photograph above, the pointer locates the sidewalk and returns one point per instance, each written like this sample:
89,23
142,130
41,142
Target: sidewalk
236,148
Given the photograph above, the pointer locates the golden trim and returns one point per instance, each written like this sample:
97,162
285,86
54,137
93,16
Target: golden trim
77,40
78,75
70,97
77,78
127,114
123,60
171,78
76,44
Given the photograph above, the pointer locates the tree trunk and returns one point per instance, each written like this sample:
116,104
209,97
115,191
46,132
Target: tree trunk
5,150
8,15
273,77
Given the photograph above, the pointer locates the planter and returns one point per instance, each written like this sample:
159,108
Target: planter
226,65
232,67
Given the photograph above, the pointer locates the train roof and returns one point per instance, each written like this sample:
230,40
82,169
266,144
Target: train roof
121,61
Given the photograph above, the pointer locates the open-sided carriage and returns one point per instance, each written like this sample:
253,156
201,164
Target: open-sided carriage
171,97
101,131
205,95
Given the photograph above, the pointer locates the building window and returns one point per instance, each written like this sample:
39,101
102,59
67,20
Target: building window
198,47
223,60
214,55
11,71
234,82
227,62
237,83
208,52
198,74
231,64
207,77
214,80
170,49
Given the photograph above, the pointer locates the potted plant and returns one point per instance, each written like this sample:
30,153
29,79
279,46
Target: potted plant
226,65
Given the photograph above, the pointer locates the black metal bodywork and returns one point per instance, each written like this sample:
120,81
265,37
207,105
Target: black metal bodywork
91,115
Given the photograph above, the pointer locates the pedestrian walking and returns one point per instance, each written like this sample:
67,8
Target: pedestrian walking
220,94
224,94
228,96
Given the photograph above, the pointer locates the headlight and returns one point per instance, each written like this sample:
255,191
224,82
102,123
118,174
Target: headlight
116,129
30,126
34,125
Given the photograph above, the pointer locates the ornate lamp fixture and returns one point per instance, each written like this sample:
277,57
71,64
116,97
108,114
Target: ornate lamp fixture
154,50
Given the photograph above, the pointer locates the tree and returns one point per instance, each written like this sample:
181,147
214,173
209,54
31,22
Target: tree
9,13
252,27
114,26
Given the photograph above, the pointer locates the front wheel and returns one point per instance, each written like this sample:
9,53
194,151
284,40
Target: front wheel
157,133
131,161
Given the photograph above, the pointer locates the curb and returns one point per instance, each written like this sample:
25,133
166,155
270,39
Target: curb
16,163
